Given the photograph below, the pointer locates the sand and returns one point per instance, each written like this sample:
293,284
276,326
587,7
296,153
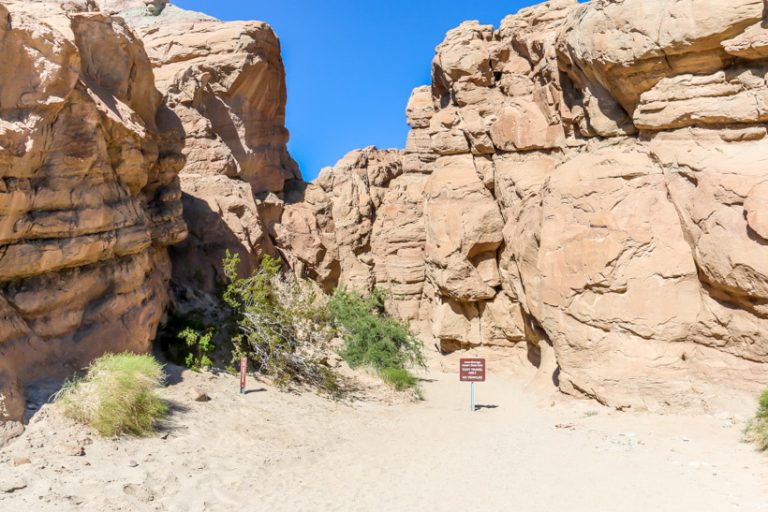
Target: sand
523,450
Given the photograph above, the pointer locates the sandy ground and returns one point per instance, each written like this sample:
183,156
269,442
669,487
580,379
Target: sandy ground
521,451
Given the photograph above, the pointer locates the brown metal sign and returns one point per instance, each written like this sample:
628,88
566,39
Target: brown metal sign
472,370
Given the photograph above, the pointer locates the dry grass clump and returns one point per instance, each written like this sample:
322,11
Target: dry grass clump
757,429
117,396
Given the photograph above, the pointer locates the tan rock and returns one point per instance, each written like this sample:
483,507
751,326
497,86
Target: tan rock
446,135
328,236
751,44
710,184
523,126
525,207
628,47
456,324
223,216
89,197
530,210
226,84
463,60
756,208
20,461
736,96
463,226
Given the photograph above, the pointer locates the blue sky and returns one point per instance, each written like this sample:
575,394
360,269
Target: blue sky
351,64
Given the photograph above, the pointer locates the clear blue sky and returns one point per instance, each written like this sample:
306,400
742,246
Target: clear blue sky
351,64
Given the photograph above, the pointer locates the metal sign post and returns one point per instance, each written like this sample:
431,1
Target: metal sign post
472,370
243,370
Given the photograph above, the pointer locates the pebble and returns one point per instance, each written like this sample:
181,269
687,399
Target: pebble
20,461
9,486
132,464
200,396
73,450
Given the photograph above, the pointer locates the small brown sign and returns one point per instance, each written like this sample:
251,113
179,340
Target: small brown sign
243,371
472,370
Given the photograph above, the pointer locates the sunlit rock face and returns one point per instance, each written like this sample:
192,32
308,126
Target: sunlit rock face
587,181
89,193
119,121
225,82
585,184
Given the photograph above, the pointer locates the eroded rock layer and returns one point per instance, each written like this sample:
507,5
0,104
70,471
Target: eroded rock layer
586,182
89,193
226,83
589,180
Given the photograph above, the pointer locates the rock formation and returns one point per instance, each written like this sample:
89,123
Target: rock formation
585,183
89,194
225,82
587,180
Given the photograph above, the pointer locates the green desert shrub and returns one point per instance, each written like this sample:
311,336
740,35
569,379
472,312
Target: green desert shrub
184,340
757,428
281,324
199,347
117,395
373,338
399,378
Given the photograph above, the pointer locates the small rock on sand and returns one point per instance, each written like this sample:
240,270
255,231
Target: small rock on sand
20,461
73,450
200,396
11,485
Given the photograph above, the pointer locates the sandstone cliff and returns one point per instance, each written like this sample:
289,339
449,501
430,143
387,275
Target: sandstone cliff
89,194
226,83
587,181
584,183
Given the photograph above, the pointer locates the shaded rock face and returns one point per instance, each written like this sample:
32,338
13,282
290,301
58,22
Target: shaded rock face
89,193
587,181
226,84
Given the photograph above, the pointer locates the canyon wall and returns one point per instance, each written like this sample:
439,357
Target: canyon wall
128,126
226,83
587,181
89,193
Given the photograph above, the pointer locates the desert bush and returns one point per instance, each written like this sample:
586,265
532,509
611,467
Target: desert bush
117,395
373,338
199,346
757,429
281,324
185,340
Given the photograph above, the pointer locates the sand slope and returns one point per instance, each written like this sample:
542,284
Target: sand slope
270,451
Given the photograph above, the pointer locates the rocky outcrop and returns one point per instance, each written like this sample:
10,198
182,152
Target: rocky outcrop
226,84
587,180
89,194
